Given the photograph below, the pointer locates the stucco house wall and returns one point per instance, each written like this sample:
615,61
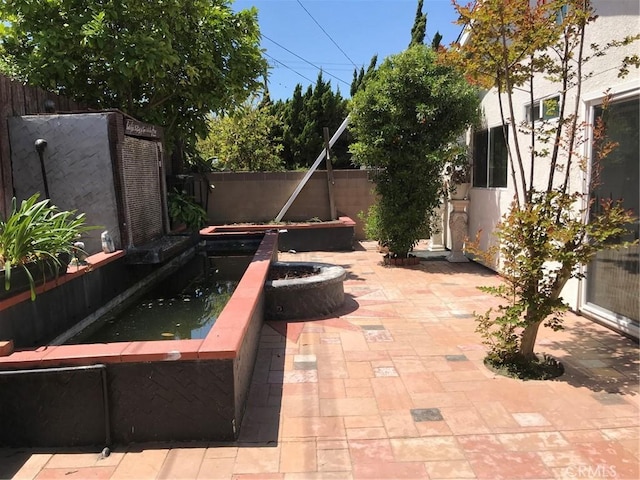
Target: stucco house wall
616,19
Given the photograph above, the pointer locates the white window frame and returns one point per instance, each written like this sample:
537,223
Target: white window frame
490,155
539,106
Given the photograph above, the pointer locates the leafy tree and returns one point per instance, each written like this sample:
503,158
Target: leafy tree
551,229
304,116
410,109
165,62
241,140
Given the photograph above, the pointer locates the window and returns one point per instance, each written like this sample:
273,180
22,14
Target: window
562,14
545,109
490,157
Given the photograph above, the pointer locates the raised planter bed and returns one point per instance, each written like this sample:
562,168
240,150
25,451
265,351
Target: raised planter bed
334,235
42,272
401,261
302,290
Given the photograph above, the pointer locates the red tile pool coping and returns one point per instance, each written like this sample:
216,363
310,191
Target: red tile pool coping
250,227
223,341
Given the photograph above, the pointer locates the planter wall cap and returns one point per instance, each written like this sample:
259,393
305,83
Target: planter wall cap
323,273
6,348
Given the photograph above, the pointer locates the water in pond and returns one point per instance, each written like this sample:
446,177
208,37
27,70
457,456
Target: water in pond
168,312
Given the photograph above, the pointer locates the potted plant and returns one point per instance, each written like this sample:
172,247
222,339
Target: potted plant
35,239
185,212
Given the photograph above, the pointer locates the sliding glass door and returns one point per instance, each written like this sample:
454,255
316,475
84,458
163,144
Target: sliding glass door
613,277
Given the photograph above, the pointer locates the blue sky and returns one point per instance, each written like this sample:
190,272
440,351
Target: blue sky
360,28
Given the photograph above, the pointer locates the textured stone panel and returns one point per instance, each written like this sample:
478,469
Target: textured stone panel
78,167
48,408
165,401
308,297
142,189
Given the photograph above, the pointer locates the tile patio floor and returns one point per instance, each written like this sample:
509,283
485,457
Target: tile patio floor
394,387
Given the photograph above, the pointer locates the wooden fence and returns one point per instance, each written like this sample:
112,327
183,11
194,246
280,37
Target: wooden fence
17,99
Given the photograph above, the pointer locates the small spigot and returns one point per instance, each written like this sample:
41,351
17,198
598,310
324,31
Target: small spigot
40,145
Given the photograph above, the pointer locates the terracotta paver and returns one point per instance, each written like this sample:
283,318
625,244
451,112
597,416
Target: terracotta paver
390,470
337,460
509,466
450,469
258,460
89,473
394,387
140,464
216,468
32,465
370,451
182,463
426,449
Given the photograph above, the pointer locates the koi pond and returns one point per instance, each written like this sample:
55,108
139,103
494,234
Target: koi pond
181,388
176,309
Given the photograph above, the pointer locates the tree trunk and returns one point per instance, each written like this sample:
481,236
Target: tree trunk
528,340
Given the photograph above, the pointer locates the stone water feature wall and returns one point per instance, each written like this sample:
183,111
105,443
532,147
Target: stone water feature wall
103,164
18,99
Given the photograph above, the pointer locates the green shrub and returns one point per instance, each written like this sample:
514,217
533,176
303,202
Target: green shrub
411,108
37,232
184,209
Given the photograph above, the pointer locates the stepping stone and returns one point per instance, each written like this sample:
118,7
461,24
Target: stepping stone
305,362
426,414
385,372
456,358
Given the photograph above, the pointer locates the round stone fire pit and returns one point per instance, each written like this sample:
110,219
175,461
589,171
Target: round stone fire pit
302,290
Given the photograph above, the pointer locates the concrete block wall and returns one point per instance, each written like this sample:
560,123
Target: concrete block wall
259,197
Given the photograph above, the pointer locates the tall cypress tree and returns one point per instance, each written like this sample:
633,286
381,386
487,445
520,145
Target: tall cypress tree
359,79
419,28
292,115
304,117
435,43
